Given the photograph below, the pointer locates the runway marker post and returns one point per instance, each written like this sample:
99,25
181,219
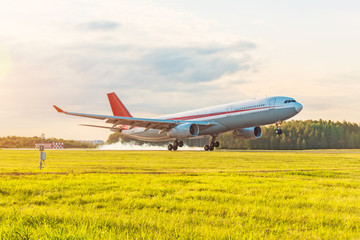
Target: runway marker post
42,153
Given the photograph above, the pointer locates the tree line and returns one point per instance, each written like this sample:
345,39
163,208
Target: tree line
300,135
29,142
309,134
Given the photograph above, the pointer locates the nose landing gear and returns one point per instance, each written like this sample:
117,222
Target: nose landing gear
278,130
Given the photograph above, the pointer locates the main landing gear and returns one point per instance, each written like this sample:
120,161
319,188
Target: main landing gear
278,130
213,144
175,145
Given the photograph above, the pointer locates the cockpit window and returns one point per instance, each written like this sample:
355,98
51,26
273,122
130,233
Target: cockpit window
289,101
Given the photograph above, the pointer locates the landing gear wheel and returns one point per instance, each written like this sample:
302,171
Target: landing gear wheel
170,147
278,130
213,143
175,148
181,143
175,144
206,148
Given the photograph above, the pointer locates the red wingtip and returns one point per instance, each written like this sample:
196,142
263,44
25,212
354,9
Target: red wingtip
58,109
117,106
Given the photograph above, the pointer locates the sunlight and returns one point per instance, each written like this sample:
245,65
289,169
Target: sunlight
5,62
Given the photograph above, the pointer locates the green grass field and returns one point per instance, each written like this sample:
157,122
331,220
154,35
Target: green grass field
181,195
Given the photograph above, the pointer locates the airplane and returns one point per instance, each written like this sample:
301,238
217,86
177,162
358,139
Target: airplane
243,118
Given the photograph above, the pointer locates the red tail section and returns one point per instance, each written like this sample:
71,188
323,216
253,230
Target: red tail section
117,106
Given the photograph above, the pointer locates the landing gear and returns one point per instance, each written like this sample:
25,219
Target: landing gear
213,144
278,130
176,144
208,148
170,147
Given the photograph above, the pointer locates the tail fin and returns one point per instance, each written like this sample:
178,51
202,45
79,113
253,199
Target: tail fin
117,106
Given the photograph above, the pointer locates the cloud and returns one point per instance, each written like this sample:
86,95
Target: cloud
194,64
262,22
155,80
156,59
160,69
100,26
159,59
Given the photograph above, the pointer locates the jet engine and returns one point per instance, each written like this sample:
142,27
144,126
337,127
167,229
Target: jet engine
248,133
117,129
184,130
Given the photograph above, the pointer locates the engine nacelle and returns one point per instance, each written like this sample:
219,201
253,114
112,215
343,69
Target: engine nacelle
117,129
184,130
248,133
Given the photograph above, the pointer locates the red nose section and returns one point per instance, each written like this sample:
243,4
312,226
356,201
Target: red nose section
117,106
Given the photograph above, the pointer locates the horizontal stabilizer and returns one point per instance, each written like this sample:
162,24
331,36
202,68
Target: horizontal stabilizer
58,109
117,129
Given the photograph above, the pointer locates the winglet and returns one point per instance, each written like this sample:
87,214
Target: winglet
58,109
117,106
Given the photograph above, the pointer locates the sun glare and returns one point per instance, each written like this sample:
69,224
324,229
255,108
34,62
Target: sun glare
5,62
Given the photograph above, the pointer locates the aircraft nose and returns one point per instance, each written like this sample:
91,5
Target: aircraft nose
298,107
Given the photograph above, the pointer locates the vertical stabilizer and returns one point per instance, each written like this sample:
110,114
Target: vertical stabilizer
117,106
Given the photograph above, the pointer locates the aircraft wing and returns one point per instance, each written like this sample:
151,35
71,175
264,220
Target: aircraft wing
147,123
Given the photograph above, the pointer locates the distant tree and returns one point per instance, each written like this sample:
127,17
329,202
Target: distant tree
309,134
29,142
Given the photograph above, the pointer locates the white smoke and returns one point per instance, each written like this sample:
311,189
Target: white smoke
143,147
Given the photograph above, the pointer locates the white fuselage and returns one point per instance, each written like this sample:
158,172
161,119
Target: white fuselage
227,117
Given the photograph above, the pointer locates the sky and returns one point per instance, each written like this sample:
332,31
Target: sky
162,57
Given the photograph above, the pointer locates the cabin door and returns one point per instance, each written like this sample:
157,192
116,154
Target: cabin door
272,103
